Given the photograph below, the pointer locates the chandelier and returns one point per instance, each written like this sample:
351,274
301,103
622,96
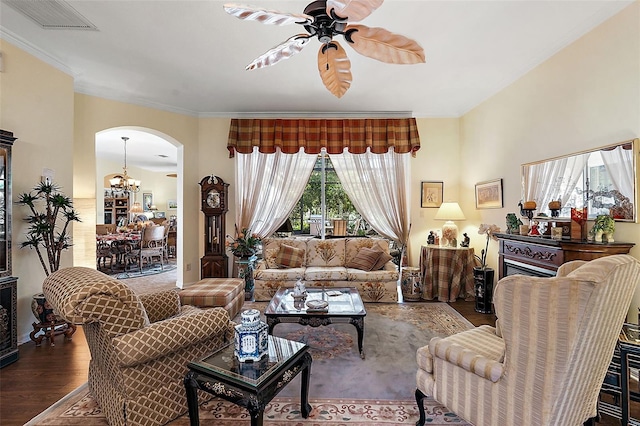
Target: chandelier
124,182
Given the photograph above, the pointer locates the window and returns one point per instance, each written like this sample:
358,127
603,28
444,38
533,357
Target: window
307,216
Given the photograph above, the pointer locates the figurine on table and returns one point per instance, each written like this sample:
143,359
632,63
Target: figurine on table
431,239
465,242
534,229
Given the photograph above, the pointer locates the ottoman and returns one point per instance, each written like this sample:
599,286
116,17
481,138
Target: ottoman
227,293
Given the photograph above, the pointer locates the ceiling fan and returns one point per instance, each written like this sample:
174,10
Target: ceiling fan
326,19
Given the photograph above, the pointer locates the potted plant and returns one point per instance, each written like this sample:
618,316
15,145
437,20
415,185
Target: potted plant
513,223
603,227
51,212
244,246
483,275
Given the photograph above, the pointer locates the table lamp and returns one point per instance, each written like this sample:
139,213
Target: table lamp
449,212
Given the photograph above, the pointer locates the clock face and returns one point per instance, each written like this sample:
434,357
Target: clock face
213,199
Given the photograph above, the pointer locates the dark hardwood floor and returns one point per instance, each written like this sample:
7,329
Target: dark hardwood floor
45,374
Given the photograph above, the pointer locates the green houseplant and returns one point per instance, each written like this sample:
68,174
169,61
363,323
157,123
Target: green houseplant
604,226
51,212
48,231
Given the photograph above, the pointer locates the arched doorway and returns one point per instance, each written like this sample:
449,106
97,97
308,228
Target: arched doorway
155,160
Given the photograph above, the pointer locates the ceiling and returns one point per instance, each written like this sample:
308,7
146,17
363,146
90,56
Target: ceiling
190,56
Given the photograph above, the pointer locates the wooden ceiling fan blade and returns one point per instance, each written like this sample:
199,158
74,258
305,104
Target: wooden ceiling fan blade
282,51
383,45
265,16
335,68
352,10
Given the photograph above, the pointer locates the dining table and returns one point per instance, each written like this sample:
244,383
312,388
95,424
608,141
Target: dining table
120,244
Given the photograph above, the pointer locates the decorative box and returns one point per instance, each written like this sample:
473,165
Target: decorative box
251,337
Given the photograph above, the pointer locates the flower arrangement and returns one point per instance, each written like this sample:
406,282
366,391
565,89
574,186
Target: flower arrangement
490,231
244,244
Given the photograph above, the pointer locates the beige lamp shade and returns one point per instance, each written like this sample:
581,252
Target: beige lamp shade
136,208
449,212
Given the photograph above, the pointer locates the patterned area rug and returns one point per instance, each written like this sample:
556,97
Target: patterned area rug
375,391
80,409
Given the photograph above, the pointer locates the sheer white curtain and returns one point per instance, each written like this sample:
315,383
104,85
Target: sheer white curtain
619,165
553,180
268,186
378,185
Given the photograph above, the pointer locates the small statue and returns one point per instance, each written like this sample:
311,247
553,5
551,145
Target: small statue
431,239
465,242
534,229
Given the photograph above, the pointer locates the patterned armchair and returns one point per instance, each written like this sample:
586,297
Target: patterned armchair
140,344
545,361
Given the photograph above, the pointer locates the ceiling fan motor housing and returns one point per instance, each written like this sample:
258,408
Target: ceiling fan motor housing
323,26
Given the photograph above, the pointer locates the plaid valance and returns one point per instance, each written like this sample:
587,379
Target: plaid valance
314,134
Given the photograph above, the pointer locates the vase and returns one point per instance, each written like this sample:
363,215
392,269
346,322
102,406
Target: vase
245,271
483,285
251,338
42,310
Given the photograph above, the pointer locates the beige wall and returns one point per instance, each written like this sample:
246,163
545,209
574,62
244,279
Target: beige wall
436,160
36,103
585,96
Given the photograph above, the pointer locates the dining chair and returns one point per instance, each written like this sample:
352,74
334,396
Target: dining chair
151,246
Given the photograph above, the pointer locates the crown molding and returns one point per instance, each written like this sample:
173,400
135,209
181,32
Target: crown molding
35,51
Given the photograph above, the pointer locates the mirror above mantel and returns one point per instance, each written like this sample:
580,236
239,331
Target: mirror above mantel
603,179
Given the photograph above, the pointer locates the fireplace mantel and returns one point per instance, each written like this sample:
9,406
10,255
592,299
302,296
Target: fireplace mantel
541,256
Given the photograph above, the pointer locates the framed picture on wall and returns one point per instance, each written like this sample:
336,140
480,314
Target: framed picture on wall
489,194
431,194
147,201
172,204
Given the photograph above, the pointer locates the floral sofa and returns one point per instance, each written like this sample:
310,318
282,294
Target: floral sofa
328,263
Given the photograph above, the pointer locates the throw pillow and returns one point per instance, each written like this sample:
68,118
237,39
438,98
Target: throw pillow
270,256
383,258
365,259
290,257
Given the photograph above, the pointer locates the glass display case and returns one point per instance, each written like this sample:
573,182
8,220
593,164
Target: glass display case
8,284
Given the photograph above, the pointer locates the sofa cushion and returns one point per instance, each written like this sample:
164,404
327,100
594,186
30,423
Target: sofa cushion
354,245
390,274
269,256
383,258
325,273
325,252
290,257
365,260
275,243
289,274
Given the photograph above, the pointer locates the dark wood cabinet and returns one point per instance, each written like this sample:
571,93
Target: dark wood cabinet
541,256
8,283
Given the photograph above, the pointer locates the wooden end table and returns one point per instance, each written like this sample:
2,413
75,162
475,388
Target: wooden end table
249,384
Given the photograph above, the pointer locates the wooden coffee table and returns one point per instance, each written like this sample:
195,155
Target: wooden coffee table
249,384
344,306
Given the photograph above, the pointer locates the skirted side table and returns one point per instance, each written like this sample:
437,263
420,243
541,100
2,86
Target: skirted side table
447,273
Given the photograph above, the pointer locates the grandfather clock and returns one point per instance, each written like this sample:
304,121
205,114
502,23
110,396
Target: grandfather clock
215,262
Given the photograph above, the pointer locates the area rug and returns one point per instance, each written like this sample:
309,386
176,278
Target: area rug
146,271
344,390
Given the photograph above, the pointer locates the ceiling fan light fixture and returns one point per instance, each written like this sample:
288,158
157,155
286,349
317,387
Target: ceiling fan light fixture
324,19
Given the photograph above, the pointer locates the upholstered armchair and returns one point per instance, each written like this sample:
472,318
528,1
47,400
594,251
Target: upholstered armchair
140,344
544,362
